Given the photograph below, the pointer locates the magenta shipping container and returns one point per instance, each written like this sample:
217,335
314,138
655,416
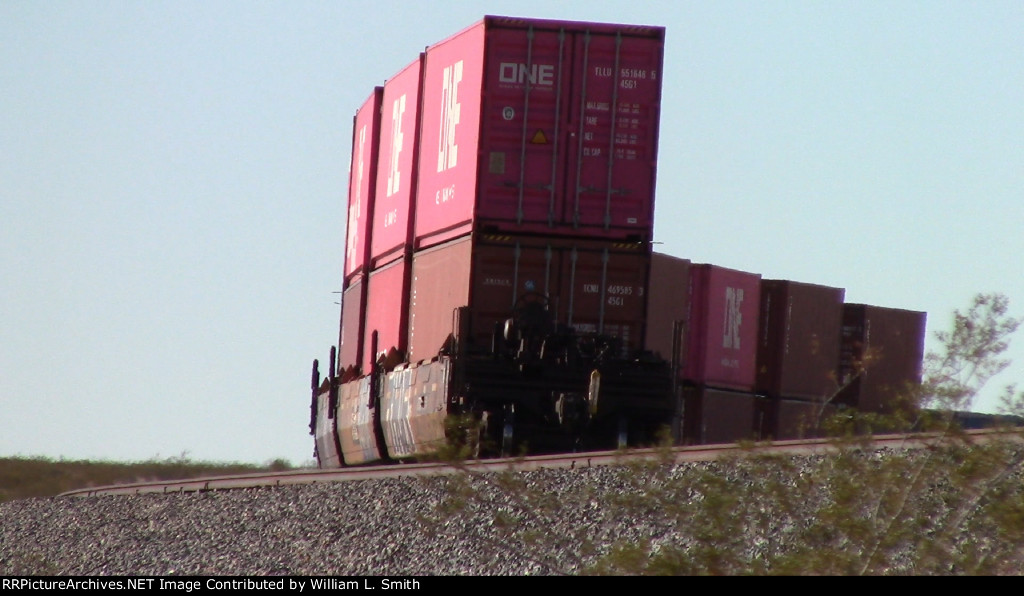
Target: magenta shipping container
396,170
798,343
353,307
538,126
361,185
721,331
590,286
387,307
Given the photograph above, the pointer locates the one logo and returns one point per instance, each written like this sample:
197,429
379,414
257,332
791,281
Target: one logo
537,74
733,318
448,151
394,174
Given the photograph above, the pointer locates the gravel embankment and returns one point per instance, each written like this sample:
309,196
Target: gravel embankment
377,528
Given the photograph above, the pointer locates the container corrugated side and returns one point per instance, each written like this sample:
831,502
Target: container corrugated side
668,299
361,185
350,340
613,151
533,126
604,290
396,172
594,287
715,416
440,285
798,343
387,307
881,352
722,325
799,419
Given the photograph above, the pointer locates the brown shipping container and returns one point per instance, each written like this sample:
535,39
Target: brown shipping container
668,302
798,344
798,419
539,126
589,285
881,351
350,342
387,307
713,416
721,329
362,183
396,172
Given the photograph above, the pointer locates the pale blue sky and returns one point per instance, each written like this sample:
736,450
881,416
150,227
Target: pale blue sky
173,181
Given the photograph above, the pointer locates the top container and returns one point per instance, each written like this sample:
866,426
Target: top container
539,126
721,331
362,185
798,345
396,172
668,302
881,353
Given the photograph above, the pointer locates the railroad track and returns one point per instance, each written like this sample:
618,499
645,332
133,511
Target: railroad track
573,460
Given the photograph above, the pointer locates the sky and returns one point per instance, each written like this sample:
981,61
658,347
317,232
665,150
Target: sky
173,179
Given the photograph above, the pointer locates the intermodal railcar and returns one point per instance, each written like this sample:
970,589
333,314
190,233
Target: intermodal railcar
499,286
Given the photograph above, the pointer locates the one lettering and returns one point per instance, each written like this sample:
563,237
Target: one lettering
448,151
355,208
394,174
537,74
733,318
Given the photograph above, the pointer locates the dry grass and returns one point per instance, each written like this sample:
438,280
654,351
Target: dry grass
26,477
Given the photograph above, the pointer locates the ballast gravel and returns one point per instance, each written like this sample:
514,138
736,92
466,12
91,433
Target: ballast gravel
397,527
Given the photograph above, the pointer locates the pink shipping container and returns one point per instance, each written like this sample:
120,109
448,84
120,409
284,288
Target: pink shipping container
881,352
353,307
798,344
537,126
387,307
590,286
721,330
396,172
361,185
714,416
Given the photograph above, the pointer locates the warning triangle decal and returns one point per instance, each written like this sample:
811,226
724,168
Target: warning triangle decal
539,138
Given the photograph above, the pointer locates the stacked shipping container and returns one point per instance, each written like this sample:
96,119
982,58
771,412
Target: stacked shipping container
542,133
703,318
512,162
797,356
512,166
718,371
881,353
